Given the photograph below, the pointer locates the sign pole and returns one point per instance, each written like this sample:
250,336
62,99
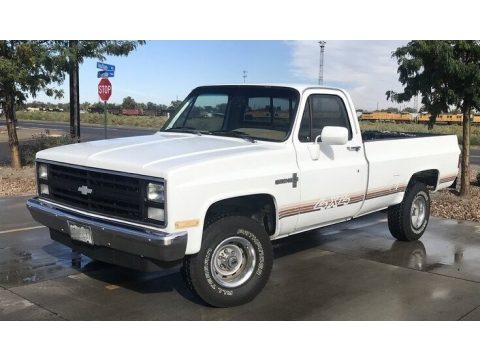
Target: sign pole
105,114
104,92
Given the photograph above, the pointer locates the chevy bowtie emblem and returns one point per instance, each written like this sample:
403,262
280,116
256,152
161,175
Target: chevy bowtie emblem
85,190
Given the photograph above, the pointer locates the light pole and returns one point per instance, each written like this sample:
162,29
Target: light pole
244,75
320,64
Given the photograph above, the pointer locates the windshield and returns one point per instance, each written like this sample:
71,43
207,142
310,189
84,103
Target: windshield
255,112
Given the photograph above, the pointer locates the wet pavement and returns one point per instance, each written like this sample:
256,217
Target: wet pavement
350,271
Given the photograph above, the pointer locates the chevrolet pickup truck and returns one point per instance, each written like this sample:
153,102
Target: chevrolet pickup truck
237,167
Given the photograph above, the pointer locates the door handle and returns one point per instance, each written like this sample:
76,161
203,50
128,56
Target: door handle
354,148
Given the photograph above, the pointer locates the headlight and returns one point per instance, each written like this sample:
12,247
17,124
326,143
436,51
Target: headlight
156,192
156,214
43,171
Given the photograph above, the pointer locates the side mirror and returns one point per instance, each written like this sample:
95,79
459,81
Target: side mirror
331,135
334,135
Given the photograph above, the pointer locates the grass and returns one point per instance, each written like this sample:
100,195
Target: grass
158,121
140,121
437,129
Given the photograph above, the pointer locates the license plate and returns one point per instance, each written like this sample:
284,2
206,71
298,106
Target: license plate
81,233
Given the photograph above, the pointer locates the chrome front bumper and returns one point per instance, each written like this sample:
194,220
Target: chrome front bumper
131,239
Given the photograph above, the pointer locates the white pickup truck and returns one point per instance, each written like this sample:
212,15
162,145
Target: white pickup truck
236,167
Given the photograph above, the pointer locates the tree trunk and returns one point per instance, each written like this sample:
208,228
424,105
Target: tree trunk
15,161
465,176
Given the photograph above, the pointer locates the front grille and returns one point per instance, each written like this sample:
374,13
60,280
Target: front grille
120,196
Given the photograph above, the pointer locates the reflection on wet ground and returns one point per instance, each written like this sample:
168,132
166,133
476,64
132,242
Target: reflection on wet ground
448,247
353,270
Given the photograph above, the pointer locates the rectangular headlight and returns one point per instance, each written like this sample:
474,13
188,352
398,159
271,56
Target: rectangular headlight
156,192
43,171
156,214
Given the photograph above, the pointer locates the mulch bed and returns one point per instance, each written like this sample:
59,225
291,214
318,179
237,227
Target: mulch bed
448,204
17,182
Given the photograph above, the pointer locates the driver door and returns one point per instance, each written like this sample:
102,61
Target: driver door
333,184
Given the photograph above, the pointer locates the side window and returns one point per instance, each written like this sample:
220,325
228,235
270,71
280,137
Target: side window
321,111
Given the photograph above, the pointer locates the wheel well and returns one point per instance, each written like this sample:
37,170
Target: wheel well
428,177
259,207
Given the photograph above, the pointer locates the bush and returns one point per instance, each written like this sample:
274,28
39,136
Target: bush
40,142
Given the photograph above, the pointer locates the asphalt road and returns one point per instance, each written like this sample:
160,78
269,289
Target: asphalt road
475,156
90,132
350,271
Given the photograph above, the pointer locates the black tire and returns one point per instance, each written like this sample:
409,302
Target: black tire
200,273
400,221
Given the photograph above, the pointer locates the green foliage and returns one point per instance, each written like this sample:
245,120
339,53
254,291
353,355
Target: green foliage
38,143
445,73
27,67
71,51
174,105
129,103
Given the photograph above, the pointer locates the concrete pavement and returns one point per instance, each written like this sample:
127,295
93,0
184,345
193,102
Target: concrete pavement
350,271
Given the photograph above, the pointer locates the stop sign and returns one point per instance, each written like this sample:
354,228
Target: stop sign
104,89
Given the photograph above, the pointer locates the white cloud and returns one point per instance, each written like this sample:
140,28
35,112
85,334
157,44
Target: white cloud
365,68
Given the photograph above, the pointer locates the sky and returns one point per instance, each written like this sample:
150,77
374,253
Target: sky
162,71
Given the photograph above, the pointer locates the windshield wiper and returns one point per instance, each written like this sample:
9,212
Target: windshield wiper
234,133
190,130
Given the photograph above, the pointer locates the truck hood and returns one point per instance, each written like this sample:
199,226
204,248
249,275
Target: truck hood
151,154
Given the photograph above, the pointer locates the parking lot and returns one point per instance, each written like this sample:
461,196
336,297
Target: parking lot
350,271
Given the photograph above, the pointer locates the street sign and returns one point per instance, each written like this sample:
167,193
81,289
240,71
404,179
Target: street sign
103,66
105,74
104,89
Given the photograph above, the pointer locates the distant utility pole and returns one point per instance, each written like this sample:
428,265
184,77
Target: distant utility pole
244,75
320,65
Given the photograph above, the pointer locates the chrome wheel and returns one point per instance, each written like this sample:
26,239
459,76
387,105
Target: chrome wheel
418,211
233,262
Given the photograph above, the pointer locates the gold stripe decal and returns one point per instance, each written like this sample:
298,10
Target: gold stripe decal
186,223
338,201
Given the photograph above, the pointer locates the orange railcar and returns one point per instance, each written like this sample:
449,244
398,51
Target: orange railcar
387,117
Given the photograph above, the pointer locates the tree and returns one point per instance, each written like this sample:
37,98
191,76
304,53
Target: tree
174,105
151,106
73,53
391,109
129,103
26,67
446,74
85,105
409,110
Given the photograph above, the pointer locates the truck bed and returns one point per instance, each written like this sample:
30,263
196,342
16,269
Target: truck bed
392,135
392,163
